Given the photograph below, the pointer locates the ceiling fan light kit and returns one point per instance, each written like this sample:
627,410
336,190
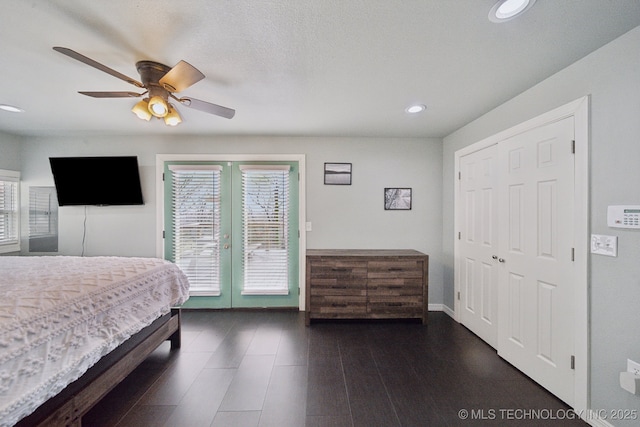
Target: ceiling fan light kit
158,106
160,82
141,109
173,117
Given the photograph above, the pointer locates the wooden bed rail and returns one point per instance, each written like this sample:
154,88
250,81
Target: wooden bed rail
68,407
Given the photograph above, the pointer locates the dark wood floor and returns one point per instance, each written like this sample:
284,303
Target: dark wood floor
238,368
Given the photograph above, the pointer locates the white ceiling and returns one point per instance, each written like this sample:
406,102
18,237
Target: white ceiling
291,67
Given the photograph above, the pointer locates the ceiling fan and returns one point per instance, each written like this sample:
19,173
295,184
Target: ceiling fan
160,82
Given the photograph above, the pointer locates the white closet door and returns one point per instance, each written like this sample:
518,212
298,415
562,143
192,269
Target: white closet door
478,244
537,277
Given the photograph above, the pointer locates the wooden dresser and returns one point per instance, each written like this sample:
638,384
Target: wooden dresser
366,284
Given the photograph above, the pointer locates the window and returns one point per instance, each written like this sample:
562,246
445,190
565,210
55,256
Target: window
196,225
9,211
265,228
43,219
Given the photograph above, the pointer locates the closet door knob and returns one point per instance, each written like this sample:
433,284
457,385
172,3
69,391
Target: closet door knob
500,259
494,257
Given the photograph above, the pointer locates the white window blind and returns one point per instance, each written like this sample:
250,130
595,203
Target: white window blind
42,209
9,211
196,225
265,227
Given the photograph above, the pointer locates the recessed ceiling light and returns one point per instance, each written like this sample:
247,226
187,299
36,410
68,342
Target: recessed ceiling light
11,108
413,109
505,10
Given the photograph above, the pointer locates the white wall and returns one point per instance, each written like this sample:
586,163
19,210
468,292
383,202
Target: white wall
341,216
9,151
611,76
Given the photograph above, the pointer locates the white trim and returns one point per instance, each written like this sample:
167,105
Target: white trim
195,167
13,176
435,307
579,110
442,307
264,167
594,419
302,201
265,292
450,312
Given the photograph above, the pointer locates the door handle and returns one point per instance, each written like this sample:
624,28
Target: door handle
494,257
226,246
501,259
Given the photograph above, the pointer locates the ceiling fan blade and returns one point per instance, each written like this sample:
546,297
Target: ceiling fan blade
208,107
79,57
112,94
181,77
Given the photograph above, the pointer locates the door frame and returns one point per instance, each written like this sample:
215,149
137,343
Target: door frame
579,110
302,214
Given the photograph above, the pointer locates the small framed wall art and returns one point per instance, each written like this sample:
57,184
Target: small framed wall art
337,173
397,199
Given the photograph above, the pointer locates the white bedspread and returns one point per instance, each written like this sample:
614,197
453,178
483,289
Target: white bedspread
59,315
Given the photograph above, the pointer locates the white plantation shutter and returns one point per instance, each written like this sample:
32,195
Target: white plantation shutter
265,227
196,225
9,211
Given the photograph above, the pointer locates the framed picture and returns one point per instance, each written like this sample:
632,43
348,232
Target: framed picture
397,199
337,173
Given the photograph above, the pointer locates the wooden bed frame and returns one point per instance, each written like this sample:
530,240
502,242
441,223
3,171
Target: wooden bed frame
69,406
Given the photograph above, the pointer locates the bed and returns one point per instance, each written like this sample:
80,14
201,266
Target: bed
71,328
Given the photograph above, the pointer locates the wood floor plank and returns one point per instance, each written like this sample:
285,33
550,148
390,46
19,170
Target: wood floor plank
201,402
326,390
266,339
237,419
368,399
249,386
176,380
328,421
294,344
285,401
232,349
145,416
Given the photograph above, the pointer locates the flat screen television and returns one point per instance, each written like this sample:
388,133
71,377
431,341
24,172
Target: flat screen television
99,181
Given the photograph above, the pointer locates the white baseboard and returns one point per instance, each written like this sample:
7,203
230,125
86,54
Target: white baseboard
442,307
594,420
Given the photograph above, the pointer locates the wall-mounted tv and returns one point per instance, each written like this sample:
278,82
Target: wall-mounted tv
97,181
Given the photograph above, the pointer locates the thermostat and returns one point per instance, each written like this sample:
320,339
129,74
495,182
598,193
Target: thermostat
623,216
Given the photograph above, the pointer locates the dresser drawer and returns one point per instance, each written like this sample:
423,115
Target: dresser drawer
395,269
334,277
394,287
337,269
338,306
394,306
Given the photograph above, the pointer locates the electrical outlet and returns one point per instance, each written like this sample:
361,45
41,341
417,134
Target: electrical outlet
633,367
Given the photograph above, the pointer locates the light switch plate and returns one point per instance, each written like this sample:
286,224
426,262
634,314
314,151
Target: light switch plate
604,245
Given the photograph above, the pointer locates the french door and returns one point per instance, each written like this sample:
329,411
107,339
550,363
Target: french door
232,227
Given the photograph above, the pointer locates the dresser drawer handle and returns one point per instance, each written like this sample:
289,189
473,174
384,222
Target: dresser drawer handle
394,304
335,304
340,269
395,269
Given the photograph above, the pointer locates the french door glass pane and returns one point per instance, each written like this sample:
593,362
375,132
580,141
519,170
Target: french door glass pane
265,229
196,225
